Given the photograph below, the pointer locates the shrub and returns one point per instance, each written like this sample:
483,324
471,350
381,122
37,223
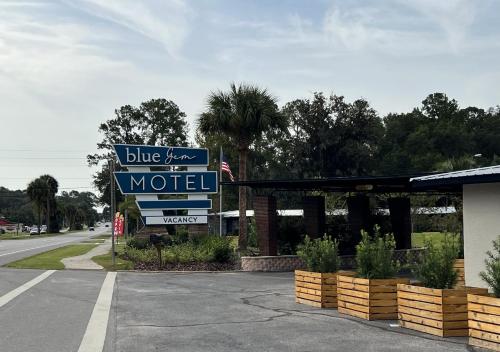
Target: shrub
218,248
138,243
375,256
181,236
435,269
492,274
146,256
320,255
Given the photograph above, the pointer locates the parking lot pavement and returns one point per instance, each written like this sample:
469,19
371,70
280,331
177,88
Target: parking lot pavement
90,311
242,312
51,315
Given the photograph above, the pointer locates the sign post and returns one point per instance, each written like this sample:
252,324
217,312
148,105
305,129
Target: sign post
111,165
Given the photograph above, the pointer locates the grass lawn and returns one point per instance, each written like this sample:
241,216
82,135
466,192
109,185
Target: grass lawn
97,240
51,259
418,238
27,236
106,260
105,236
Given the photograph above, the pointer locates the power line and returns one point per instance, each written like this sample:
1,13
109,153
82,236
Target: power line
42,158
44,151
58,178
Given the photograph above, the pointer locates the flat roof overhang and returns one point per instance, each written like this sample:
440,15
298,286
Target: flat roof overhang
370,184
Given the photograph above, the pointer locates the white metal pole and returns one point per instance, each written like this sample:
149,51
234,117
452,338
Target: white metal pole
220,192
113,208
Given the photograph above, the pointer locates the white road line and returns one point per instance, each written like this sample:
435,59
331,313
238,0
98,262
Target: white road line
93,339
17,291
29,249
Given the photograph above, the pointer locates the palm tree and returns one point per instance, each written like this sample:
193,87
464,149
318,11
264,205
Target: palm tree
37,191
52,188
241,115
129,207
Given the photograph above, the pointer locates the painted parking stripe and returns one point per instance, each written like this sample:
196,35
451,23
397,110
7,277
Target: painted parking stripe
23,288
95,334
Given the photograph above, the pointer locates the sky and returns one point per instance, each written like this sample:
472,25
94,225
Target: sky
66,65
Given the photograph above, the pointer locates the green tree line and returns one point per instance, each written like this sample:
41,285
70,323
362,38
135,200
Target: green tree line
39,204
320,136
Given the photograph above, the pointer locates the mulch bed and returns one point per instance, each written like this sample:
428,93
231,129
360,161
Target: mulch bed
194,266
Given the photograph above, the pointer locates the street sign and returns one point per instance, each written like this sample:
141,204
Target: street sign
147,155
174,204
176,220
167,182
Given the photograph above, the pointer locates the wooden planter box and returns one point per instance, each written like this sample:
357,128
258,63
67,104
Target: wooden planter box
369,299
459,267
434,311
316,289
484,321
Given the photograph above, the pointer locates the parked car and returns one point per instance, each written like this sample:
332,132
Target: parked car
43,229
91,228
34,230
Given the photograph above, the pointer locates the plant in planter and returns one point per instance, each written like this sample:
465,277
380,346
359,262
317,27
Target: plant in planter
484,311
370,293
317,286
435,307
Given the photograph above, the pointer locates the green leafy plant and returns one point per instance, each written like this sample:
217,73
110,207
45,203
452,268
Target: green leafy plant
492,274
435,268
374,256
320,255
138,243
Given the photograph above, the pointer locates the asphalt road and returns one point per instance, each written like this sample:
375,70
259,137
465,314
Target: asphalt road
11,250
232,311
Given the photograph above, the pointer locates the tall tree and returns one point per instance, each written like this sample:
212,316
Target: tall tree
241,115
330,137
78,208
50,203
37,191
154,122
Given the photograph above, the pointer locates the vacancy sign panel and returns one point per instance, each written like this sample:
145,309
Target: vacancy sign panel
176,220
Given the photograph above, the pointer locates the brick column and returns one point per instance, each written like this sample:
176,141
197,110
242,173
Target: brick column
266,219
359,218
314,216
400,210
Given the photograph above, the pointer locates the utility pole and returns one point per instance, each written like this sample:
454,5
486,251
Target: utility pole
111,165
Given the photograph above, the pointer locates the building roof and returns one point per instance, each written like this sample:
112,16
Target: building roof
383,184
449,180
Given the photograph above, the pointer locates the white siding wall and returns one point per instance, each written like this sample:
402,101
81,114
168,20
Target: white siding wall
481,227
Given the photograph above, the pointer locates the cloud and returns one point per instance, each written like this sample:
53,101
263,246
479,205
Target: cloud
400,27
168,23
454,17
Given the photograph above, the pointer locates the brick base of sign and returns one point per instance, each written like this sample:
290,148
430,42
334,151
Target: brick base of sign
197,230
272,263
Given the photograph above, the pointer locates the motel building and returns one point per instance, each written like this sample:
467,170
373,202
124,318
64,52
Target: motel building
479,188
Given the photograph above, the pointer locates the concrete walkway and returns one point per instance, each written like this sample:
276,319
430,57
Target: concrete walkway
84,261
